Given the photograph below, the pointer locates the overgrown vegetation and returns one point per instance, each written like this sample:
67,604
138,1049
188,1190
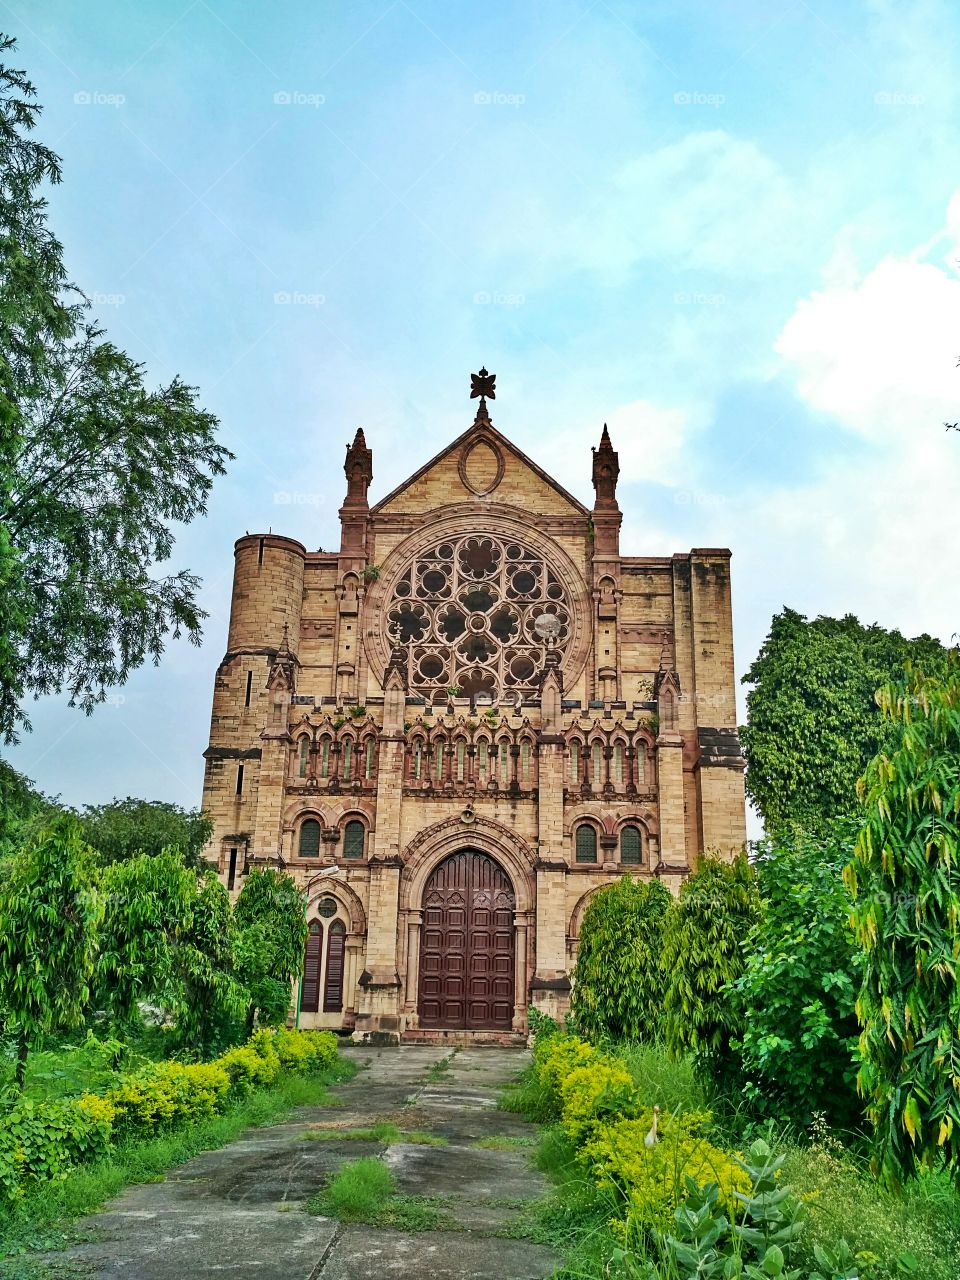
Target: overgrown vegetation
365,1190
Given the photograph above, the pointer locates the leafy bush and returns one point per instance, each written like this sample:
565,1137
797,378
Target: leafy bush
702,956
617,982
799,985
554,1058
42,1140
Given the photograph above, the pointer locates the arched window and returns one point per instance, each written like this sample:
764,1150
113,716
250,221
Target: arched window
309,846
482,760
525,761
333,981
310,982
618,765
347,758
597,765
630,848
353,839
325,758
304,755
575,762
368,759
586,843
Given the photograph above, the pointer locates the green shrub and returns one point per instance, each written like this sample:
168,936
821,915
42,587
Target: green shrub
799,986
553,1060
702,956
617,983
40,1141
593,1093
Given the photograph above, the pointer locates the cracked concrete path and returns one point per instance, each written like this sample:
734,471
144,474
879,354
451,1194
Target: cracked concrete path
241,1210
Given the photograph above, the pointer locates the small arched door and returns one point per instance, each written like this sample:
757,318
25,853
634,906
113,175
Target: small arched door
467,945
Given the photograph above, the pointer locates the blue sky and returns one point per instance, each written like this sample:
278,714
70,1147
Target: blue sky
731,231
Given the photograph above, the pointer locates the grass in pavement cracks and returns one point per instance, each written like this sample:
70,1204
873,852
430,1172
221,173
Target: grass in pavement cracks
382,1132
503,1142
45,1219
366,1191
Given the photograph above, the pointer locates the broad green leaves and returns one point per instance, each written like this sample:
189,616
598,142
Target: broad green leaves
813,722
271,935
905,880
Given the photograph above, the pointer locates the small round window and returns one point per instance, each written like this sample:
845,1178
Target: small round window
327,908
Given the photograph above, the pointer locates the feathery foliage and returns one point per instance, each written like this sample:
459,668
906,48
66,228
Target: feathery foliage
906,882
702,956
618,984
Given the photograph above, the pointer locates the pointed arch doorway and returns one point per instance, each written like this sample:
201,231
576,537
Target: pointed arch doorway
467,945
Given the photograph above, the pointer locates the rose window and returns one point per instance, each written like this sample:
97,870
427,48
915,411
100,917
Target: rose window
466,610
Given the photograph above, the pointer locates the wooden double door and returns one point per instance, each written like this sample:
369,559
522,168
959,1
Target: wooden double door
467,945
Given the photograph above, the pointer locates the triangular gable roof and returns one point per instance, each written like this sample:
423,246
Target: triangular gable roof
482,428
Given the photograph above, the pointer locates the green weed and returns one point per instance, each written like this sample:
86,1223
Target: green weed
503,1142
365,1191
384,1132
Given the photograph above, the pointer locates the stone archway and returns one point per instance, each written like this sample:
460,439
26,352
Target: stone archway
467,962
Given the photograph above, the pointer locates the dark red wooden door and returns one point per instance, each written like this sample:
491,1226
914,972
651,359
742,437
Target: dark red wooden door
467,945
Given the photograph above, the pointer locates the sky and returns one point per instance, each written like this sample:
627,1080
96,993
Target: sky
729,230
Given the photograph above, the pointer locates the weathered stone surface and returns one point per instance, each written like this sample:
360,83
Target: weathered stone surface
240,1210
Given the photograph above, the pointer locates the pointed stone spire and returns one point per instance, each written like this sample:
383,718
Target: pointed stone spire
358,469
606,470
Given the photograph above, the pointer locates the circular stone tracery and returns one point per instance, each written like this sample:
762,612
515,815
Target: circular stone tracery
465,611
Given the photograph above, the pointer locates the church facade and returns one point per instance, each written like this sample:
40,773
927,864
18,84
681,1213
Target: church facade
459,726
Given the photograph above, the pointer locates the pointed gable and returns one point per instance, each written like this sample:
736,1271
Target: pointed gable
481,465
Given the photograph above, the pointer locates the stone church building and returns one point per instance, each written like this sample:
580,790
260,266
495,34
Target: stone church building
457,727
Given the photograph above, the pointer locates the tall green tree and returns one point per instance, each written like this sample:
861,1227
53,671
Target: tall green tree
905,876
95,468
148,908
271,929
617,982
801,975
125,828
211,1000
703,938
20,805
50,914
813,720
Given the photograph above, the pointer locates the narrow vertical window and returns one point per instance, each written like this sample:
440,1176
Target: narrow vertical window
354,834
503,761
461,757
325,759
232,870
482,758
309,843
368,766
630,848
260,554
586,843
333,978
640,764
347,758
304,756
246,696
417,761
438,763
239,779
310,982
525,761
618,765
575,762
597,765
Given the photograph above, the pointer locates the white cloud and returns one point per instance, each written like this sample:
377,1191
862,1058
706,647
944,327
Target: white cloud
881,356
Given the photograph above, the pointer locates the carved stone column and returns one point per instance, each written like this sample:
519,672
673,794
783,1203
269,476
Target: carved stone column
414,924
